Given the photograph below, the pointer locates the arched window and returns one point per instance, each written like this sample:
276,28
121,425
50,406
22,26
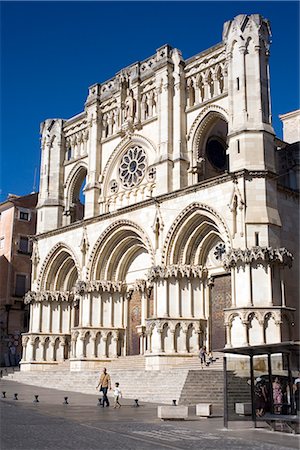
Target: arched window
77,200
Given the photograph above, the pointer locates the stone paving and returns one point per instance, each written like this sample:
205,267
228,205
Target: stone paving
83,425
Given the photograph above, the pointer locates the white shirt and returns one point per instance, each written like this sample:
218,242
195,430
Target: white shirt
117,392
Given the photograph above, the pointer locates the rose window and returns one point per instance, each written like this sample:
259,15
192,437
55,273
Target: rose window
132,167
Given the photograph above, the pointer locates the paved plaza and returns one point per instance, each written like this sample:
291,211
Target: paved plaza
83,425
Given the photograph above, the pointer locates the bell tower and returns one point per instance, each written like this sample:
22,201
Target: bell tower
250,131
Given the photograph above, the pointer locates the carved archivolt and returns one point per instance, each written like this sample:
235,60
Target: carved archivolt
259,255
50,258
199,123
98,247
184,216
73,177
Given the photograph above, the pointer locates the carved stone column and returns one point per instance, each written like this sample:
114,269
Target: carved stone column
105,349
52,354
94,347
80,347
43,341
30,349
173,349
262,331
228,327
245,329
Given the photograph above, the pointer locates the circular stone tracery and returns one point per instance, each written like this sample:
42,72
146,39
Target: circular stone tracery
132,167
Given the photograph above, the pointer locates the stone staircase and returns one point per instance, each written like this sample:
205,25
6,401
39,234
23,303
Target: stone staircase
186,383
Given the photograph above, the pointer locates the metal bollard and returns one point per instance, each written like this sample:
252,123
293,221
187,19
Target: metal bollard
174,402
136,403
66,401
16,397
99,402
3,394
36,399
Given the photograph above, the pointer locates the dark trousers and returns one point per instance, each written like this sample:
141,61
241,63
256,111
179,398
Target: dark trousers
105,399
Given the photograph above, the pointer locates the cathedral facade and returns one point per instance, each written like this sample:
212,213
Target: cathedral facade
167,213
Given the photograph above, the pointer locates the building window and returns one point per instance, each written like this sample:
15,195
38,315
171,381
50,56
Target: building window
24,245
24,214
132,167
20,285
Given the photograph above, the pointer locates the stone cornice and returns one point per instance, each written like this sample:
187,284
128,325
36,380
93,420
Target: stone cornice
259,255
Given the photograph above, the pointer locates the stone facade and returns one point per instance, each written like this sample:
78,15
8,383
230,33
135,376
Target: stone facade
185,235
17,224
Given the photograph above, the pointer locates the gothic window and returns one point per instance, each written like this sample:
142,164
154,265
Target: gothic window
20,287
132,167
216,153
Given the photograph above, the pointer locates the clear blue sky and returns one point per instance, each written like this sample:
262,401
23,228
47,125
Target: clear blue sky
52,51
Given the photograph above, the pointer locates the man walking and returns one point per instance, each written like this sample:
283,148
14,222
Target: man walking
105,384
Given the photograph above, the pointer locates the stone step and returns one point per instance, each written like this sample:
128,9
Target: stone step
184,385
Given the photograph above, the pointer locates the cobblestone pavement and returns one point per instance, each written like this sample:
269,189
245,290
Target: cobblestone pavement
83,425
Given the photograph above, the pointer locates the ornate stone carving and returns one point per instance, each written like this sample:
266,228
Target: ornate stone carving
83,287
258,255
176,270
48,296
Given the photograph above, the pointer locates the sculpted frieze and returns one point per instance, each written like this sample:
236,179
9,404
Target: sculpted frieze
176,270
259,255
48,296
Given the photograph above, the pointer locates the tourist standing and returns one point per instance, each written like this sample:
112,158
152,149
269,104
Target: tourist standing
202,356
105,384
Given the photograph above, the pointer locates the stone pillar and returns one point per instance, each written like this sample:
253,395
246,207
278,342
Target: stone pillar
73,347
184,340
144,304
115,340
42,341
60,317
160,348
80,347
52,354
92,189
173,349
164,88
179,124
105,350
30,349
262,331
245,329
228,327
94,347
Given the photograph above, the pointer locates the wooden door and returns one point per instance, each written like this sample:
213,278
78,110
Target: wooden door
220,299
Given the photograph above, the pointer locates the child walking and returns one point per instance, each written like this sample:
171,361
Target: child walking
117,396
